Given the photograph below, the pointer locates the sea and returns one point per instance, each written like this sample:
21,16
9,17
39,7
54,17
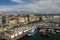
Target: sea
37,36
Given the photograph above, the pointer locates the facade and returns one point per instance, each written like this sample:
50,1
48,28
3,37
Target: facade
33,18
22,19
12,20
51,19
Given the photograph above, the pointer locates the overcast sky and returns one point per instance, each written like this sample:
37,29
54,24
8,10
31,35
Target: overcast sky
43,6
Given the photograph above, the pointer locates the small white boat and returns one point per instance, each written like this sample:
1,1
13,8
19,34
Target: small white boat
32,32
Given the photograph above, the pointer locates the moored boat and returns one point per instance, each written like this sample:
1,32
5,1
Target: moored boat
32,32
43,33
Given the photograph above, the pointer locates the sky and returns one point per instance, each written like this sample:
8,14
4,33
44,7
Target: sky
35,6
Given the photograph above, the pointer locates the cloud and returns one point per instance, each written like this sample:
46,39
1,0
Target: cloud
5,8
18,1
24,1
43,6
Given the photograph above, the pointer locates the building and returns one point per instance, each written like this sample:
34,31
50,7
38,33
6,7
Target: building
12,20
33,18
3,19
23,19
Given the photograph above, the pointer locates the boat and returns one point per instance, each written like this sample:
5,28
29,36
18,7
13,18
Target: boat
43,33
32,32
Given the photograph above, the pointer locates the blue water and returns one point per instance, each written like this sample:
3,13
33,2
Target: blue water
37,36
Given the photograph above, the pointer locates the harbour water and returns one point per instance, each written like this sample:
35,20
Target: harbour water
37,36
